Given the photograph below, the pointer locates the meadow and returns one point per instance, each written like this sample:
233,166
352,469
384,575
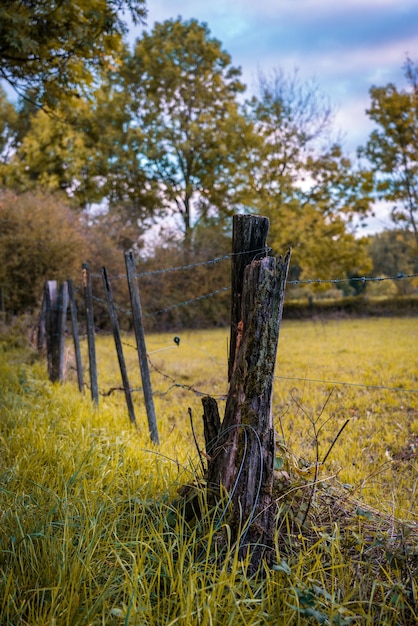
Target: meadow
92,527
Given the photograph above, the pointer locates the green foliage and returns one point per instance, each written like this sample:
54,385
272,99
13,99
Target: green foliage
54,49
392,147
185,118
161,132
52,157
92,530
394,252
86,151
8,122
310,193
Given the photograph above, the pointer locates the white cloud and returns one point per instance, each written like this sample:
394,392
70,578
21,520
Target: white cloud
346,45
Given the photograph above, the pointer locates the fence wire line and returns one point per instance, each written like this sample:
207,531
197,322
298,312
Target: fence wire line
256,252
200,393
336,382
363,279
360,279
309,281
170,307
190,266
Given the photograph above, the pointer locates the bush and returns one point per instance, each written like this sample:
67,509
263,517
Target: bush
40,239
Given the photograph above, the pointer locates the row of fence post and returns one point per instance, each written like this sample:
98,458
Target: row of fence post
249,235
52,332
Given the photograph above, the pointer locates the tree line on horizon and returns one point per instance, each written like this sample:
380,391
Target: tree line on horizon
104,142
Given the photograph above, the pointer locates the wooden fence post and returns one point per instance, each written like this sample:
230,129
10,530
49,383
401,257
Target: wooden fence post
118,345
249,235
241,455
50,298
76,336
2,304
55,316
141,346
41,343
88,298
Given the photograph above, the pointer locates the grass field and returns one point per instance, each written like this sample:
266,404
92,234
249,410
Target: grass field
89,528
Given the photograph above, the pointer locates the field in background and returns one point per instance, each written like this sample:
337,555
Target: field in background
378,357
88,532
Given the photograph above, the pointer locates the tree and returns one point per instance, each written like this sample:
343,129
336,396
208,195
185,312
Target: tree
85,153
303,181
186,121
290,118
394,252
51,156
53,49
392,148
8,123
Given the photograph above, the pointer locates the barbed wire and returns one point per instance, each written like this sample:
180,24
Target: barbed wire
167,309
186,302
361,279
190,266
339,382
170,307
175,384
309,281
198,392
256,252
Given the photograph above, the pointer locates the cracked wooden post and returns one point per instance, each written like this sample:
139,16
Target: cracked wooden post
242,457
249,235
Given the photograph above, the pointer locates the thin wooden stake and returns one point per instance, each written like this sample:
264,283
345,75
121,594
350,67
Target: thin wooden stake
41,343
76,336
142,350
118,345
50,298
88,297
61,323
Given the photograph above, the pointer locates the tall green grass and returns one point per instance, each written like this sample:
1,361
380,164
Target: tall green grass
93,529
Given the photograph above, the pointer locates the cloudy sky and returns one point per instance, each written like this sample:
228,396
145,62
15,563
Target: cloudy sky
346,45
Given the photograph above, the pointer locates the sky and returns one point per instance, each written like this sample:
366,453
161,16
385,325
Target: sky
345,46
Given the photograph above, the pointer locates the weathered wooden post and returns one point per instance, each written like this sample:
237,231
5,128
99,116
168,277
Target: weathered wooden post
249,236
76,336
141,347
242,451
88,298
118,346
54,313
41,343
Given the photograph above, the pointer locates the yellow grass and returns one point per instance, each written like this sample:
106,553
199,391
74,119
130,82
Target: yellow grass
377,357
89,533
